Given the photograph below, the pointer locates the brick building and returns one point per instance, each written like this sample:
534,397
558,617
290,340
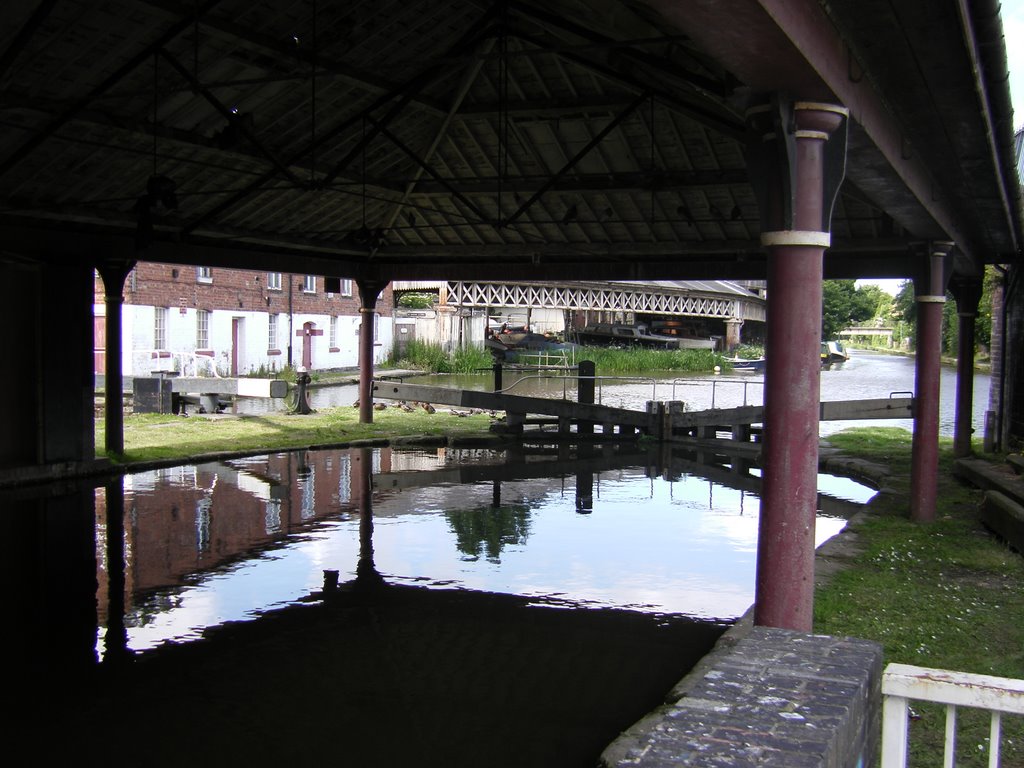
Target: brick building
230,322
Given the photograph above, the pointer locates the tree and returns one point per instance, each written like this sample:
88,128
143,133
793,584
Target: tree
905,302
881,302
844,304
416,300
983,325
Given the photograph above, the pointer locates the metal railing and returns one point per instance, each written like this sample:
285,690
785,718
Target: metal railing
902,683
554,358
716,384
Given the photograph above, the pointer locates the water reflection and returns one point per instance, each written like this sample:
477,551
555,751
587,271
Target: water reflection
214,543
303,606
485,531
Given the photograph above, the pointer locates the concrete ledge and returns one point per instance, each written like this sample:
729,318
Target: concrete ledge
766,697
1004,516
867,472
49,473
991,477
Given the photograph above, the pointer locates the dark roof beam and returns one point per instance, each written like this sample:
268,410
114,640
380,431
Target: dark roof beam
285,48
693,80
468,78
543,108
611,126
37,138
424,166
470,39
231,118
21,39
328,136
716,120
810,58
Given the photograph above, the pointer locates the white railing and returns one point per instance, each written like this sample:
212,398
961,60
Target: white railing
902,683
718,383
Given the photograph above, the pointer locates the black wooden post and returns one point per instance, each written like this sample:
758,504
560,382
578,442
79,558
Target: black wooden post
585,389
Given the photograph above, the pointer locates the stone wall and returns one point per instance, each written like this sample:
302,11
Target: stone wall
765,697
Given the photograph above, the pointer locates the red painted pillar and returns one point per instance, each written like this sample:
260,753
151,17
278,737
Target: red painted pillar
967,298
369,291
799,204
113,274
930,294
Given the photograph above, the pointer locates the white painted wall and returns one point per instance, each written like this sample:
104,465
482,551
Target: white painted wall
541,320
445,327
138,341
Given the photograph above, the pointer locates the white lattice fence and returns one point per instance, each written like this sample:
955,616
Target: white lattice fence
650,301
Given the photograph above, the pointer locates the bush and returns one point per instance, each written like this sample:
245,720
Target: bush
609,360
424,355
471,360
749,352
433,359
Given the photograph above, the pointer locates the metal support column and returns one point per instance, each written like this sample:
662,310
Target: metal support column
930,294
968,295
800,158
369,292
114,274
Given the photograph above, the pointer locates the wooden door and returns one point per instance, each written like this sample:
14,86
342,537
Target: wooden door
99,343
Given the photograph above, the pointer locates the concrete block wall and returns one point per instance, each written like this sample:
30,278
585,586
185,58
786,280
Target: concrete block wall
772,697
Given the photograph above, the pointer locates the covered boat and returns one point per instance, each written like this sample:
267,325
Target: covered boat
637,335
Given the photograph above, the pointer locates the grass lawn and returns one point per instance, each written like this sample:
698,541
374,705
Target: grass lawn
945,594
149,437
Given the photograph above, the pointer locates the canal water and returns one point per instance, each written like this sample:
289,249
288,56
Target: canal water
375,607
433,607
867,375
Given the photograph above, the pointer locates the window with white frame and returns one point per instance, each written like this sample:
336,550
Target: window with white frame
202,329
272,331
159,327
309,284
346,287
273,281
204,274
333,341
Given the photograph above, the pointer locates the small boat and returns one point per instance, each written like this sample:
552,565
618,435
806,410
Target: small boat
505,343
833,353
739,364
637,335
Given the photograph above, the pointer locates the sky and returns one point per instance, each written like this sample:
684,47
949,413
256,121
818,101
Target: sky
1013,30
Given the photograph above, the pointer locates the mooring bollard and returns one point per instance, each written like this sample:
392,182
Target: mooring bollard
301,397
330,580
497,377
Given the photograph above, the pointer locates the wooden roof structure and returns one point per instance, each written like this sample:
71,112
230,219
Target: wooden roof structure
504,139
